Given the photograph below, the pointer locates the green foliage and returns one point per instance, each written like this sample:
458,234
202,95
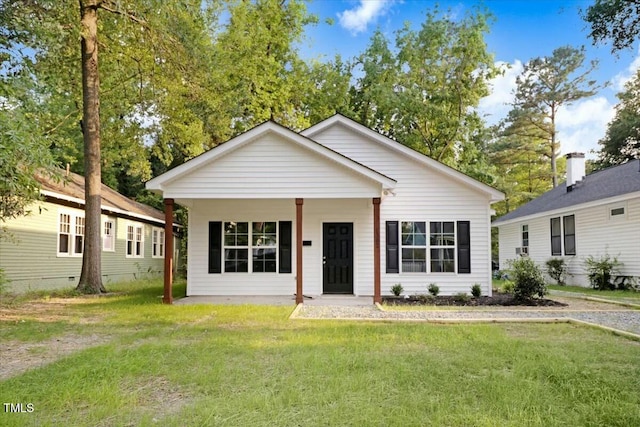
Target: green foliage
557,270
433,289
425,95
426,298
461,297
397,289
622,140
476,290
602,271
528,279
616,21
3,281
546,84
508,287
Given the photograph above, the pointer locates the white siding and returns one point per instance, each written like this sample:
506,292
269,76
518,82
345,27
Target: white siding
597,234
272,167
315,213
421,194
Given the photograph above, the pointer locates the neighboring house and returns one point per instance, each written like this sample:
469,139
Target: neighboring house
334,209
586,216
43,249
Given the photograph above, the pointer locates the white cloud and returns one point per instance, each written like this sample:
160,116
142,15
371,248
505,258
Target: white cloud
496,106
357,19
618,81
583,123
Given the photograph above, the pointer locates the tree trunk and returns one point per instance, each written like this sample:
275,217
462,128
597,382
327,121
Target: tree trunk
554,149
91,276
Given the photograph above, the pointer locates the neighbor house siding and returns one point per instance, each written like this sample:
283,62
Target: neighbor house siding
271,168
597,234
421,194
30,261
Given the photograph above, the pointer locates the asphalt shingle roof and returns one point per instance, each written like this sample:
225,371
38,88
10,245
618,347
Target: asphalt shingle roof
611,182
73,186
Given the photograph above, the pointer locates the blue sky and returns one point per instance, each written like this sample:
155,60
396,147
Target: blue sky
522,30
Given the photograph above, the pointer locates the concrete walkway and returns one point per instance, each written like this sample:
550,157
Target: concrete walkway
321,300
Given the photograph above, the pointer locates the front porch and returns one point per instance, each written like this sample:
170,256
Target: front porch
277,300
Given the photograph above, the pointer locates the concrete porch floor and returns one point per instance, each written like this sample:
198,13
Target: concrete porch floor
316,300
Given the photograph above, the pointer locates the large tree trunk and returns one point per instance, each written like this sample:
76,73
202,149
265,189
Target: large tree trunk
91,276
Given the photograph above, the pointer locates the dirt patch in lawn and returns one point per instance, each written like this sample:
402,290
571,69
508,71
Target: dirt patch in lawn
19,356
156,396
49,310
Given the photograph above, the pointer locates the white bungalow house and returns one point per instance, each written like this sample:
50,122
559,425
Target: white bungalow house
586,216
334,209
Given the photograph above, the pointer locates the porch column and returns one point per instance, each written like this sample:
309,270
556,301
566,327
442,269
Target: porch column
377,298
168,251
299,297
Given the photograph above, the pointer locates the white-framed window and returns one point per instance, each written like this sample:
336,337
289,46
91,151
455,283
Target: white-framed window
258,239
414,246
135,241
563,235
442,239
525,235
108,235
157,244
438,252
70,233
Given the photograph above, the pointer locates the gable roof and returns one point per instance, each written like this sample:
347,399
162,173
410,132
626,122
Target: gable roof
605,184
71,189
494,194
245,138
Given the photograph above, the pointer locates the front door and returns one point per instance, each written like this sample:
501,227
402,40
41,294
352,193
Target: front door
337,258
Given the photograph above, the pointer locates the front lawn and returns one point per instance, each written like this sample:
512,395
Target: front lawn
137,362
629,294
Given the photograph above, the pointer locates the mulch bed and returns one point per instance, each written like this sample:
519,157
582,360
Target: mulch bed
497,299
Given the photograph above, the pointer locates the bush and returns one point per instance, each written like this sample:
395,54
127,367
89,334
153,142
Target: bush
397,289
557,270
602,271
461,297
528,279
434,289
508,287
476,290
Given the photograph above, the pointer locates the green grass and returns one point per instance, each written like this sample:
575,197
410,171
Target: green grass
629,294
248,365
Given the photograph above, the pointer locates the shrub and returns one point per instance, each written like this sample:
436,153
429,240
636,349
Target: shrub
397,289
602,271
4,282
528,279
461,297
476,290
425,299
434,289
557,270
508,287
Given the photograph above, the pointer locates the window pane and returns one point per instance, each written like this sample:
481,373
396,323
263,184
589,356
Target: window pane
236,260
414,260
129,247
264,260
64,243
236,234
442,260
570,245
442,234
555,226
79,240
413,234
556,245
264,234
569,225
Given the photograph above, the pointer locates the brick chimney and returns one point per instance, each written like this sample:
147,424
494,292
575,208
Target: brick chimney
575,169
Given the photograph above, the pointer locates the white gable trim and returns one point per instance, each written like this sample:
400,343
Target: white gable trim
601,202
159,182
495,195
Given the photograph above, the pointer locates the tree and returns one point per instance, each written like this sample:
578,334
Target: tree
545,85
424,91
617,21
622,140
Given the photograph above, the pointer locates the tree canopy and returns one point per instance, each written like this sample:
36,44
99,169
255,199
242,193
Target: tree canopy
615,21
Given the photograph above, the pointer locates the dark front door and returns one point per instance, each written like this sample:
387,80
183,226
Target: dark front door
337,258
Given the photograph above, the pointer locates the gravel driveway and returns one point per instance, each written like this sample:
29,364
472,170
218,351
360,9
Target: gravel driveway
609,315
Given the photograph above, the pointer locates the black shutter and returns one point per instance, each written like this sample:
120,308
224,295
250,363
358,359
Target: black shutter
284,246
464,247
215,247
392,247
